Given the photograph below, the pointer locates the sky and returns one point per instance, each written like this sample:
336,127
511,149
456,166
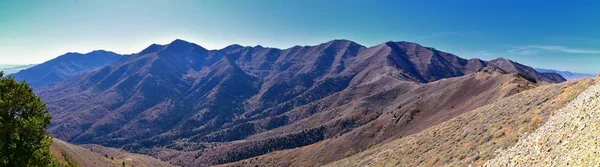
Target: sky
563,35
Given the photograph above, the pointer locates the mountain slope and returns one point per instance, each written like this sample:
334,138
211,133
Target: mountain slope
567,74
202,107
98,156
403,111
568,138
66,66
473,137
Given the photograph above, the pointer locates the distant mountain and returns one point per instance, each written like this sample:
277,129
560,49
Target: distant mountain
193,106
10,69
567,74
526,71
66,66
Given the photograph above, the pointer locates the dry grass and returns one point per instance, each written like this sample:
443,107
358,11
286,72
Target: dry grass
568,138
473,137
70,155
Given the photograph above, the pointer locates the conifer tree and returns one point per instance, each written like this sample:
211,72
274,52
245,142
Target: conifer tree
23,119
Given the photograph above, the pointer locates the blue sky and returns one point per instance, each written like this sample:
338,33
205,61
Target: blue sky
550,34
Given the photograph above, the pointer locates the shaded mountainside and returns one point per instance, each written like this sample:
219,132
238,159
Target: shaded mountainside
65,66
568,138
92,155
193,106
475,136
567,74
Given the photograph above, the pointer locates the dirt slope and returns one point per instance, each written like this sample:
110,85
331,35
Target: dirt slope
97,156
571,137
473,137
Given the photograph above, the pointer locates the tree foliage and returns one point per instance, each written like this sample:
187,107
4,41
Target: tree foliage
23,119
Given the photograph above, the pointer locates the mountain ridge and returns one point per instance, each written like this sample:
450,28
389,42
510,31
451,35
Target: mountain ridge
66,66
209,98
567,74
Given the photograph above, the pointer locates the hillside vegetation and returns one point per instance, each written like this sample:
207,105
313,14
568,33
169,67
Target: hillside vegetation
70,155
473,137
571,137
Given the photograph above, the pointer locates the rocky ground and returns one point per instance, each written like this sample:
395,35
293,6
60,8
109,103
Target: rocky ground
571,137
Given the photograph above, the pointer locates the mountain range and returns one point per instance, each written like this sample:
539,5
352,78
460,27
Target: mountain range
567,74
191,106
66,66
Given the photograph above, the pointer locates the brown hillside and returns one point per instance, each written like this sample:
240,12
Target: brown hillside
401,110
473,137
97,156
568,138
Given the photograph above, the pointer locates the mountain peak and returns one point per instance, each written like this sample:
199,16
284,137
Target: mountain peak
402,44
506,64
100,51
340,41
233,46
343,42
502,59
70,54
178,44
151,49
179,41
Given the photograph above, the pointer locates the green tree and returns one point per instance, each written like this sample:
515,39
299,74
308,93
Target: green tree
23,119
